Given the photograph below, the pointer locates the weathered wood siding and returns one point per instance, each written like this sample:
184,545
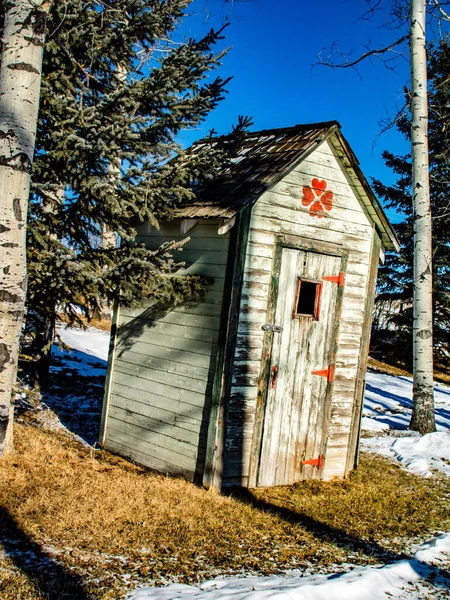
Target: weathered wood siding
277,212
296,401
161,380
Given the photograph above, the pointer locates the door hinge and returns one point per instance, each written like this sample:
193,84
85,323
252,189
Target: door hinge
315,462
328,373
273,328
339,279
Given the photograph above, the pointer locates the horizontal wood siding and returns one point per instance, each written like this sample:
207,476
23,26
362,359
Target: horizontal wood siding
349,227
161,383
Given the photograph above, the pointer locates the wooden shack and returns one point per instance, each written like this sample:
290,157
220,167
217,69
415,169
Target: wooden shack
261,383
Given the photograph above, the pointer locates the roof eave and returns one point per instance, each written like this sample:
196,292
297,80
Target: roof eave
390,239
332,126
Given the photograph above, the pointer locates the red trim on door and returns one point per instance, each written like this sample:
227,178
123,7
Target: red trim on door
274,375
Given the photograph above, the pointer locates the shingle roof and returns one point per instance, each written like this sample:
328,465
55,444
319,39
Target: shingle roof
264,159
265,156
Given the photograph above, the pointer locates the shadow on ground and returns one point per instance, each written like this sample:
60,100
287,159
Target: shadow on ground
438,576
53,580
75,394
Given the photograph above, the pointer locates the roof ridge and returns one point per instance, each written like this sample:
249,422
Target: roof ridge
299,126
275,130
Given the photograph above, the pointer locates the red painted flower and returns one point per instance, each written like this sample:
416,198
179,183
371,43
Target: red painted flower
317,197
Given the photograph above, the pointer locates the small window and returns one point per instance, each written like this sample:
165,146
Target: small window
308,299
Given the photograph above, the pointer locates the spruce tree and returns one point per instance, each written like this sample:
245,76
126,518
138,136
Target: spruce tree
117,89
397,274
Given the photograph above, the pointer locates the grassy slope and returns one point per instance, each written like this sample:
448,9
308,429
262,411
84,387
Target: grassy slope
89,519
441,372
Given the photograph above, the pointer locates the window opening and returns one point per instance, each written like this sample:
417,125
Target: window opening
308,299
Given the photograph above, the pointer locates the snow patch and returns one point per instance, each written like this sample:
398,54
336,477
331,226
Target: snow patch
401,579
419,454
91,341
388,403
387,410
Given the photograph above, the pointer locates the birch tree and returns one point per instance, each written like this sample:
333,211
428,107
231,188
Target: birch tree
20,78
423,404
396,275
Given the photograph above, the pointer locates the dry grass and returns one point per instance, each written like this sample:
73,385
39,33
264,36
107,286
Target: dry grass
89,519
103,324
15,584
380,503
441,371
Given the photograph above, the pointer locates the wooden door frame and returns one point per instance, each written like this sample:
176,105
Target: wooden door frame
229,322
306,245
355,430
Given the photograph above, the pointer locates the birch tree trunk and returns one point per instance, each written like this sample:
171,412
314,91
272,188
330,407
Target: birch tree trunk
108,239
20,79
423,403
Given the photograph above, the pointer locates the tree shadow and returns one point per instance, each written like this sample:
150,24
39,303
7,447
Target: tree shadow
403,401
139,325
149,317
390,395
53,580
169,369
75,393
340,538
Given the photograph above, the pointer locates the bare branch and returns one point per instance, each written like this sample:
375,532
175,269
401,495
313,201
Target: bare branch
349,63
371,10
445,15
394,17
389,123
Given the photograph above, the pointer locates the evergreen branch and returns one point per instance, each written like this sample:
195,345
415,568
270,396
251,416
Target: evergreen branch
87,74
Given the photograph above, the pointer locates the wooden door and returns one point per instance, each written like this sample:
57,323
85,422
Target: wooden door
304,333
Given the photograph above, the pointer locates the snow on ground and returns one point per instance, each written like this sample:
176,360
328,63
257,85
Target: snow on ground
74,400
387,403
386,414
419,454
89,351
403,579
387,411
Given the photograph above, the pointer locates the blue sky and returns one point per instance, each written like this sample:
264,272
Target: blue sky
274,45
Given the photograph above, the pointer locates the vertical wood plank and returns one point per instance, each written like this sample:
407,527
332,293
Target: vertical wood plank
213,472
295,409
273,450
353,445
332,360
255,450
109,374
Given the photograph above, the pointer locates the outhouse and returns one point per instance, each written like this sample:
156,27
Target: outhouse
261,383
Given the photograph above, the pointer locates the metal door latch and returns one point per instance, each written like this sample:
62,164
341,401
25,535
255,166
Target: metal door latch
274,375
273,328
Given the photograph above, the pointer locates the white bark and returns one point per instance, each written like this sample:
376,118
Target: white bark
108,237
423,404
20,79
